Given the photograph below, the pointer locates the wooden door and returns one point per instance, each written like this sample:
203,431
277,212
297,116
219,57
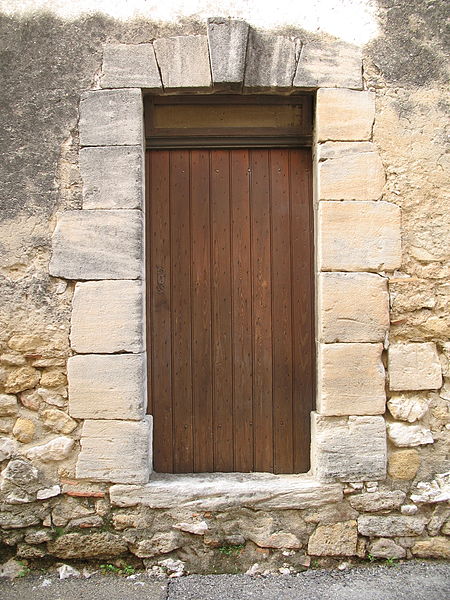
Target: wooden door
230,309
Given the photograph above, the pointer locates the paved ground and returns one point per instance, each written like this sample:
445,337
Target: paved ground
408,581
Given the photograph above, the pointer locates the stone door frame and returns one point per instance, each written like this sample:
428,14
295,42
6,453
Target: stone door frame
101,246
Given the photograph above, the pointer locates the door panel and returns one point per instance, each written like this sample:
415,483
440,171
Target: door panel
230,303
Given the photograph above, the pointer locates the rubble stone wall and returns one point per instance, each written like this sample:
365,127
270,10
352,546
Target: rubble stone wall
75,458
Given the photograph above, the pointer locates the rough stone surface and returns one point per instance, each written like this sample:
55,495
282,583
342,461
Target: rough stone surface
436,490
350,449
54,450
440,516
414,366
22,378
403,464
107,386
378,501
343,115
338,539
97,244
359,236
341,319
184,62
111,118
386,548
216,491
112,177
270,62
130,66
160,543
334,64
404,435
390,525
107,316
406,408
7,448
351,380
8,405
94,545
356,176
24,430
116,451
58,421
227,40
435,547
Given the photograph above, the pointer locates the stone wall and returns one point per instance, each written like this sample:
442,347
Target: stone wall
44,508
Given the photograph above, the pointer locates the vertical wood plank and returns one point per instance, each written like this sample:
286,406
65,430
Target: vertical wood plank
242,312
281,312
221,310
201,313
160,315
262,310
181,310
302,304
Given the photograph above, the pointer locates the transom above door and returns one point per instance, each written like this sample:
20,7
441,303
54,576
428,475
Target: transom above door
230,308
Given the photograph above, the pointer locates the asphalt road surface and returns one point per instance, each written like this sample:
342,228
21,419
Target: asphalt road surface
407,581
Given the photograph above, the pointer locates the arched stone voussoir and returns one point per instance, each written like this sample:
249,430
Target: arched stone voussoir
183,62
227,41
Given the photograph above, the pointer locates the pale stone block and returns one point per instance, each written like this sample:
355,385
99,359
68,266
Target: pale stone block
112,176
336,64
351,380
414,366
359,236
97,244
270,62
344,114
111,118
184,62
107,317
348,449
341,319
130,66
103,386
356,176
405,408
377,501
328,150
227,39
386,548
219,491
336,539
116,451
404,435
390,525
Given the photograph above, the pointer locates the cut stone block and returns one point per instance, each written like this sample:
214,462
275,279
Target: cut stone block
328,150
348,449
103,386
112,176
107,317
97,244
391,525
336,539
111,118
184,62
344,114
341,319
271,61
357,176
225,491
414,366
130,66
351,380
115,451
359,236
227,41
336,64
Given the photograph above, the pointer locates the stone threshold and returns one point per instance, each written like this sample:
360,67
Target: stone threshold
225,491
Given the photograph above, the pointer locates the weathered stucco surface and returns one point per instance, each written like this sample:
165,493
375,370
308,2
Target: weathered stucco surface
45,64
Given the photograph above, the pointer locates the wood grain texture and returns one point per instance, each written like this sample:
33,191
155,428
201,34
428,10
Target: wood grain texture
230,301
